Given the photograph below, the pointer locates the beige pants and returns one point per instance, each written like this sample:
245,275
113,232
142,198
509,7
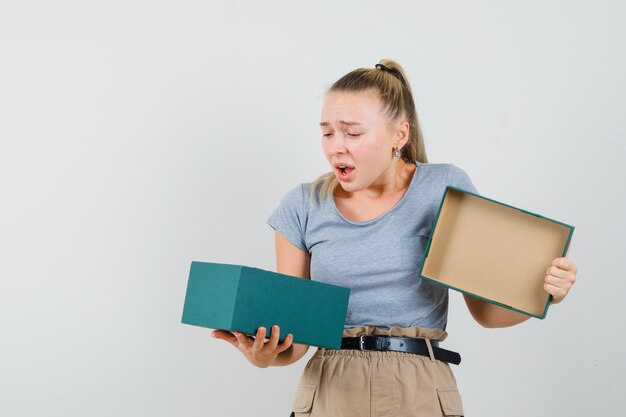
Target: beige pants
348,382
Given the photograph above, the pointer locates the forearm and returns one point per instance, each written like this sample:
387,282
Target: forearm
491,315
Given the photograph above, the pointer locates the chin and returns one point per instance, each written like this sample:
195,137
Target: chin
349,186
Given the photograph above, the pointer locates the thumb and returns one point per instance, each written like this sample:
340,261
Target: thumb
225,335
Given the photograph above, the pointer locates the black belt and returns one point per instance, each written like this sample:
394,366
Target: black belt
400,344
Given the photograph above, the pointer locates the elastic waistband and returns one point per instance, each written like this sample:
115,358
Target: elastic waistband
418,332
320,352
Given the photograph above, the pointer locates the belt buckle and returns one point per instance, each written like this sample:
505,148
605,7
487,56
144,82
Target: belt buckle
362,342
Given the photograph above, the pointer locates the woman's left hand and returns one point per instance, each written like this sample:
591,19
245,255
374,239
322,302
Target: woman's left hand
560,276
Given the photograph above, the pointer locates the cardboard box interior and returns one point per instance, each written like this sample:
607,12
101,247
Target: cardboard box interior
494,251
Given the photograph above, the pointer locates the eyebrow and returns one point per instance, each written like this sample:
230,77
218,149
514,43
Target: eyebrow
343,123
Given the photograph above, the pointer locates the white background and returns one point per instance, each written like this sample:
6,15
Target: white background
137,136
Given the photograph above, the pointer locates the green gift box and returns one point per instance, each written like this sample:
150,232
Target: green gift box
241,298
494,251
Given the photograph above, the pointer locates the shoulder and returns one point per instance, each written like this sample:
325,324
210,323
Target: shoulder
448,174
447,169
299,193
290,218
441,171
454,171
297,198
459,177
440,167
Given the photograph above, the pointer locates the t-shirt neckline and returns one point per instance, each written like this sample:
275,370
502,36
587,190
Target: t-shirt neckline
388,212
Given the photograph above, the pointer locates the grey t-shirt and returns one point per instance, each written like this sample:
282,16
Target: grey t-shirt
379,259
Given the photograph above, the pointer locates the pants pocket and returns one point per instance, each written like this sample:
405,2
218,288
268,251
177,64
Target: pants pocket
450,401
303,401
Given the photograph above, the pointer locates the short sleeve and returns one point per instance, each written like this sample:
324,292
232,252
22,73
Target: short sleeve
457,177
289,218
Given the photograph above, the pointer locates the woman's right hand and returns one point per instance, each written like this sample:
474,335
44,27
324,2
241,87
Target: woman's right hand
259,352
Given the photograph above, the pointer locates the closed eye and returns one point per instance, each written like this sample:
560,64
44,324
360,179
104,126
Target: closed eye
354,135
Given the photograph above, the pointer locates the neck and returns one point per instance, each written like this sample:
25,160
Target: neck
395,179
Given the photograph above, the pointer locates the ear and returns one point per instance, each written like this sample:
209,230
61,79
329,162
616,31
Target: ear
402,134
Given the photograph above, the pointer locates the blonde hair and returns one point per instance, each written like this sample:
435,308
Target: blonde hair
396,97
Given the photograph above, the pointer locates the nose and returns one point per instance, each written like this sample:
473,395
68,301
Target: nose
337,145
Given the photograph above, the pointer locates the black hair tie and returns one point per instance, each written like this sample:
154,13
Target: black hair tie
384,68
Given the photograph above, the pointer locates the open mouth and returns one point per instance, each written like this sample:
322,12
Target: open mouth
344,172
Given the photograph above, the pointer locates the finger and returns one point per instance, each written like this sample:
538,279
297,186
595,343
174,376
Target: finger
259,339
564,283
243,339
564,263
286,344
274,336
224,335
556,271
557,293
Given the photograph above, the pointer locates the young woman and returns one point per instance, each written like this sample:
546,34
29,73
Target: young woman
365,226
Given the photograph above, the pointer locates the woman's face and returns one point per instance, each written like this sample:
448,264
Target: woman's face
356,136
